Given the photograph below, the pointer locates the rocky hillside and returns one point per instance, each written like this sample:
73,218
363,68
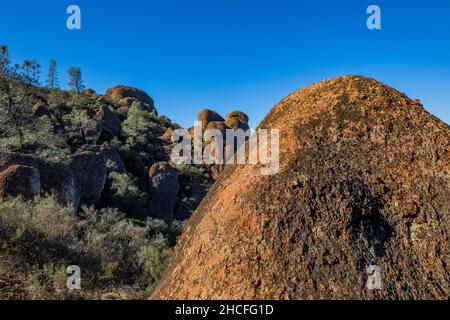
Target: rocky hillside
86,179
108,146
364,180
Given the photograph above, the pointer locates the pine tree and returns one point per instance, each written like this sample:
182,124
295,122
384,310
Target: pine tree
76,81
52,77
18,84
4,59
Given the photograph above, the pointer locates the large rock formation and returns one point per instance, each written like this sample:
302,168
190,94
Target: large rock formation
237,120
127,95
53,177
41,109
164,187
206,116
19,180
114,162
211,120
89,169
109,120
364,180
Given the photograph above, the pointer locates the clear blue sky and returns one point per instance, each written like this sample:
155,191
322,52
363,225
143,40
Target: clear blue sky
236,54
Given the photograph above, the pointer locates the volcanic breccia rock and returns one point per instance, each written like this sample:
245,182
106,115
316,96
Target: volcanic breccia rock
364,180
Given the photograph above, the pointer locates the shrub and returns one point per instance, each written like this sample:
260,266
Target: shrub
118,257
124,193
193,173
137,126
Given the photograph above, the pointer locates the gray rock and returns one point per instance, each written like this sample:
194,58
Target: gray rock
114,162
54,177
164,187
89,169
109,120
20,180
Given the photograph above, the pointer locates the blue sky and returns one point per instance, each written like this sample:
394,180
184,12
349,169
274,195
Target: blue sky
236,54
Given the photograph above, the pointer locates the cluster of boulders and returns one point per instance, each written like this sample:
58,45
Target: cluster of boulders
212,120
82,181
127,95
29,176
86,178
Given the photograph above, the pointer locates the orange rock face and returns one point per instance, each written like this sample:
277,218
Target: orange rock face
130,94
363,181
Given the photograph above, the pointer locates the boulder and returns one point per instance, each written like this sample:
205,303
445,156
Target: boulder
363,185
133,161
101,101
90,92
234,123
163,187
114,162
237,120
109,120
167,136
41,109
231,123
239,115
206,116
54,177
19,180
92,131
128,101
121,92
89,169
217,125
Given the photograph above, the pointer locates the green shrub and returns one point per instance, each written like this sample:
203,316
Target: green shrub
140,126
119,258
125,194
193,173
137,126
38,139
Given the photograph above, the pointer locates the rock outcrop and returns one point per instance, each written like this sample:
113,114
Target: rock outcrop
127,95
41,109
237,120
211,120
114,162
206,116
89,170
164,187
19,180
167,136
364,180
109,120
53,177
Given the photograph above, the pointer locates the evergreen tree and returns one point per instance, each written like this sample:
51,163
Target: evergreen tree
137,126
18,83
52,77
76,81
